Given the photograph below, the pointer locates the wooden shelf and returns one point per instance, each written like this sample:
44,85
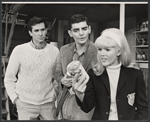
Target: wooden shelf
143,65
141,46
141,61
16,23
145,31
141,36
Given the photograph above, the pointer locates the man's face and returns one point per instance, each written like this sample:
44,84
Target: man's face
38,32
80,32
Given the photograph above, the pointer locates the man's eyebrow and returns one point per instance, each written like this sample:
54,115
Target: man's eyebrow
81,28
39,29
75,29
36,29
85,27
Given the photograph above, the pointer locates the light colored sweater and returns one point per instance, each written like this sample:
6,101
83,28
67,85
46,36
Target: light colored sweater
35,69
113,73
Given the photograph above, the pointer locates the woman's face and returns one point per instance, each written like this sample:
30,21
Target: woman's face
109,55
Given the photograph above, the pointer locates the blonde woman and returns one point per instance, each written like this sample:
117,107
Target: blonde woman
116,91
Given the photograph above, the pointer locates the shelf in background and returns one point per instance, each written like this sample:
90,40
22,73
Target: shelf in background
141,61
140,46
16,23
145,31
143,65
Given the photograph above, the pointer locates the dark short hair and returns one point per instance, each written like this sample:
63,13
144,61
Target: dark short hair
76,19
36,20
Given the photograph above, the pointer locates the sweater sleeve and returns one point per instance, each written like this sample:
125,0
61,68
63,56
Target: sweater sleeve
58,75
11,74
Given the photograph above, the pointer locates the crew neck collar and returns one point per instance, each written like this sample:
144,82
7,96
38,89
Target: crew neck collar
114,66
36,47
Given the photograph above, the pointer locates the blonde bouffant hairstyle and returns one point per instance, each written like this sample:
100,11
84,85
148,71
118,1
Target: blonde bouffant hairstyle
105,40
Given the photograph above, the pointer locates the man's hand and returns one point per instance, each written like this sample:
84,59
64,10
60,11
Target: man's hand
16,100
67,81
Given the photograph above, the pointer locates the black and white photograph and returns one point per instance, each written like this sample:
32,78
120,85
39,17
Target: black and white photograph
74,61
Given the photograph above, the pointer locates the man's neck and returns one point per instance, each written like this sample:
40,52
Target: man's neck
39,45
80,48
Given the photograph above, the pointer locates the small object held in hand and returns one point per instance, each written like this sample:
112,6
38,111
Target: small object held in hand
68,75
75,67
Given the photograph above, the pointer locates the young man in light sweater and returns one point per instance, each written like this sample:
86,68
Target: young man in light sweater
29,74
